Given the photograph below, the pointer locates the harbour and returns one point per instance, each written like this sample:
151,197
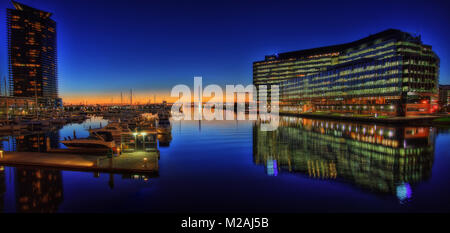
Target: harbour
126,144
224,116
301,158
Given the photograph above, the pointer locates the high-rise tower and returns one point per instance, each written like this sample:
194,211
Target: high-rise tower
32,54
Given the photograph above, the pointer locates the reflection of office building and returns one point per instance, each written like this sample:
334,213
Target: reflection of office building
32,54
377,158
38,190
389,73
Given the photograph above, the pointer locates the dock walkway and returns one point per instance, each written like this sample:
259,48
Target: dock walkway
133,162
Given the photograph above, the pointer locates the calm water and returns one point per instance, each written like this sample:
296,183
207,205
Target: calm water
231,166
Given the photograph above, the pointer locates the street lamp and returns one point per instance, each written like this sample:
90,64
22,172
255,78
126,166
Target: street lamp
143,139
135,140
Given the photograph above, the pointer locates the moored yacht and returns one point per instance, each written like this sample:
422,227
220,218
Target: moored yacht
97,141
115,128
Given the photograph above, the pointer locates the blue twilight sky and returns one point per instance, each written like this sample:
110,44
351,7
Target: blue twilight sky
108,46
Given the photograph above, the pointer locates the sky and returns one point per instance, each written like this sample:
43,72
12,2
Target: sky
106,47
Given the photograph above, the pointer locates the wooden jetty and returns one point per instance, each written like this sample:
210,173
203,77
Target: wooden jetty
126,163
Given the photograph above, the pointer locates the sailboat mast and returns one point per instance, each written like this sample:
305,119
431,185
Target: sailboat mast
131,96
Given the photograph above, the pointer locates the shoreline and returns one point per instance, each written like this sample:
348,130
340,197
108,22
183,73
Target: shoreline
419,120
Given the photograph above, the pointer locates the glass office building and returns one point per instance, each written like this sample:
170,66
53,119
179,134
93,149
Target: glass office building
388,73
32,54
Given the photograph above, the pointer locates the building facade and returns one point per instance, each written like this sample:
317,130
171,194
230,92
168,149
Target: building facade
32,54
444,98
11,107
388,73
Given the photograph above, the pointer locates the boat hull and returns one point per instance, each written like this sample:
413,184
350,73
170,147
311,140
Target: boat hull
97,146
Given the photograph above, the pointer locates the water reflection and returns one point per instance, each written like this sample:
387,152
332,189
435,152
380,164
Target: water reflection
314,165
38,190
2,188
35,142
164,139
31,141
41,190
381,159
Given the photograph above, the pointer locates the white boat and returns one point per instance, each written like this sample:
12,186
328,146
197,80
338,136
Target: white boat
101,140
115,128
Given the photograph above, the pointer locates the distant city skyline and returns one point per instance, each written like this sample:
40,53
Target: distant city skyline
153,46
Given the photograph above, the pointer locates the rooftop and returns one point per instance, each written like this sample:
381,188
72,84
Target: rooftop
381,36
22,7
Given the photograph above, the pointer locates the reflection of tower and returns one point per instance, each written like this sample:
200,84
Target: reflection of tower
38,190
2,188
2,183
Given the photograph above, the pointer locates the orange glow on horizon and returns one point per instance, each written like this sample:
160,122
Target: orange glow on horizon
115,98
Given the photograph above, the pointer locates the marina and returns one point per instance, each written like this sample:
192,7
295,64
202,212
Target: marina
126,144
302,163
224,115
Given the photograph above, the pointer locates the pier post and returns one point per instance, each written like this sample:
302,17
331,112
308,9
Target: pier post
48,145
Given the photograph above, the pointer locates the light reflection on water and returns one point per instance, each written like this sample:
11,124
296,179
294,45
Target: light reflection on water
232,166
